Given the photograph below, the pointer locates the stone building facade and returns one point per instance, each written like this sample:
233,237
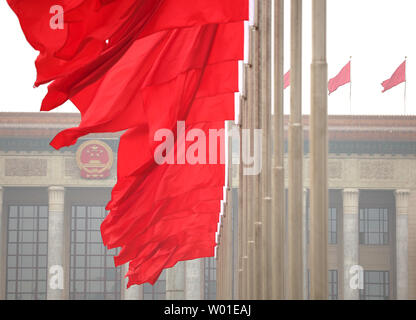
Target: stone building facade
52,203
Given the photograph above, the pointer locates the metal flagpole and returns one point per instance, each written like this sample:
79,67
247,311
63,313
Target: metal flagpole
295,194
252,205
278,182
249,187
257,235
245,195
265,175
240,281
319,156
405,85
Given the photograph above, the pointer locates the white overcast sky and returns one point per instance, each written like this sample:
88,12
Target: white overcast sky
378,34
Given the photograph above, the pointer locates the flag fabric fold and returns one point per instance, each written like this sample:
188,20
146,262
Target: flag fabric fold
147,67
398,77
342,78
286,80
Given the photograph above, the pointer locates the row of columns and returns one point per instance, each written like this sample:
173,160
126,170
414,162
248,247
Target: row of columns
351,242
224,256
179,284
262,268
185,280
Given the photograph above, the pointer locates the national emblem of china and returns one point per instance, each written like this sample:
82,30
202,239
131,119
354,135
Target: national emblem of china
95,159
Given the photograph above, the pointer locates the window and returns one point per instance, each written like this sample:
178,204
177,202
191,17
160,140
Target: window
92,272
376,286
374,227
333,285
156,292
210,279
332,226
27,252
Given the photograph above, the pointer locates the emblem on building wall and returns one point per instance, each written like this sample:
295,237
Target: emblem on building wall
94,159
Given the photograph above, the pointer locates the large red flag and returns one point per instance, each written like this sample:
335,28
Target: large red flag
342,78
145,66
96,33
399,76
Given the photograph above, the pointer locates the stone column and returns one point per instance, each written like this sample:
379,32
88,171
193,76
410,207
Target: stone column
134,292
56,245
175,282
194,280
402,256
350,199
3,246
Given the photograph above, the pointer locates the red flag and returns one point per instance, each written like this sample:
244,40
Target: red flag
97,33
144,66
342,78
157,203
112,99
399,76
286,80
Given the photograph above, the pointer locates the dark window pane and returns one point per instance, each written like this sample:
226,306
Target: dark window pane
26,252
92,271
79,262
374,226
332,226
80,224
27,211
42,261
11,274
43,212
376,286
333,284
13,224
79,237
43,249
12,235
11,286
43,236
95,236
210,279
12,262
158,291
13,210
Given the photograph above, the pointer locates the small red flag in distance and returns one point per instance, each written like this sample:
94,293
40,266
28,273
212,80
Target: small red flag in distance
286,80
399,76
342,78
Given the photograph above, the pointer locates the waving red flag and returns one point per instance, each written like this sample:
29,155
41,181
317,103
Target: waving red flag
146,66
286,80
399,76
342,78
